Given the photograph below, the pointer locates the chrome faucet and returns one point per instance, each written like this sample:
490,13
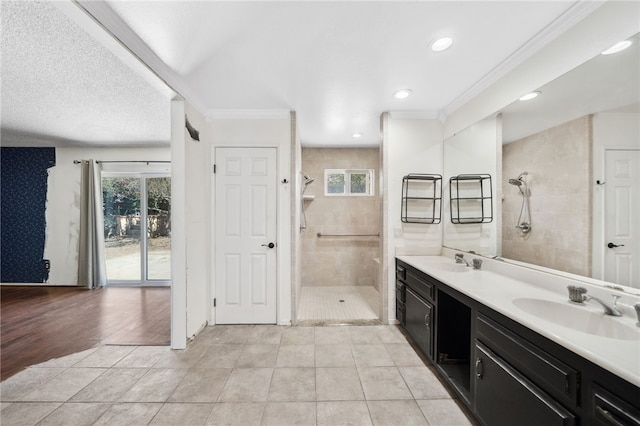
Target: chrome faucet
460,259
578,295
608,309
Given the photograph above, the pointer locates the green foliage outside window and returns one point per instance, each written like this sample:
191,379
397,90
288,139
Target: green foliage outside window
358,183
348,182
335,184
121,197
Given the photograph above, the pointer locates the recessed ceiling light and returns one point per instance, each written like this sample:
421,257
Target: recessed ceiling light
618,47
441,43
402,93
529,96
356,135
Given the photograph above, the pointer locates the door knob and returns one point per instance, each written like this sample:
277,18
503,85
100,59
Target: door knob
270,245
611,245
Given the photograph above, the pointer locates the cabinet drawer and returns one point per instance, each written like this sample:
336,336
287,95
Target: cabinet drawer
609,409
401,272
504,397
421,284
554,376
401,294
400,312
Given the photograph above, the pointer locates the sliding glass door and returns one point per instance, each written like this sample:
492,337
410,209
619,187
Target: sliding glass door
137,228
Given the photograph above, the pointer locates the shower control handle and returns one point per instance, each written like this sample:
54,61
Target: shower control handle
270,245
611,245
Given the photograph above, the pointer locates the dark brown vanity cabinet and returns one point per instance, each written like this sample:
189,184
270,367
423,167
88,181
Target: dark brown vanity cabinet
419,322
608,409
503,396
419,312
506,373
454,341
524,380
401,294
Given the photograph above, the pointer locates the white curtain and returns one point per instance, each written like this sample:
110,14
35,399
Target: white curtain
92,271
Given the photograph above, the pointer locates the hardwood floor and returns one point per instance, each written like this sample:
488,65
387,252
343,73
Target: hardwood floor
41,323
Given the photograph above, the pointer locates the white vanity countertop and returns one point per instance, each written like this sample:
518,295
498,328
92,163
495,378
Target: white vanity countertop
496,291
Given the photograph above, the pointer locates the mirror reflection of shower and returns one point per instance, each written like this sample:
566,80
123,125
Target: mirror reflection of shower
307,181
524,220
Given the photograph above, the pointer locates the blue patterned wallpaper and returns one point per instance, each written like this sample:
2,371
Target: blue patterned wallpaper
23,192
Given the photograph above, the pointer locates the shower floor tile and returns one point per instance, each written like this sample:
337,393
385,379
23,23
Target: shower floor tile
335,303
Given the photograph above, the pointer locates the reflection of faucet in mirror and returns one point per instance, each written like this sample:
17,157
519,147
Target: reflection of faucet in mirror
460,259
524,219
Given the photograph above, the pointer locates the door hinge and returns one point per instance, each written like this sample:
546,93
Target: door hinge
214,302
214,168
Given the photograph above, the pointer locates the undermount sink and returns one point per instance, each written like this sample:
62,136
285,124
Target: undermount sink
578,318
450,267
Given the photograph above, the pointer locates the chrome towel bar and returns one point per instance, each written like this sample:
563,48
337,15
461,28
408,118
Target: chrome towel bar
320,235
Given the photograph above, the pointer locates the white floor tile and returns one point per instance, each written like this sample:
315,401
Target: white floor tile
338,303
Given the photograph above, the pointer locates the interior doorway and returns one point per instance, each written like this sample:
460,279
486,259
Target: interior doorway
246,248
621,210
137,223
340,250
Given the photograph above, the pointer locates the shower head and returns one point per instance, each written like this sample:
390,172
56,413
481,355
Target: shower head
519,180
307,180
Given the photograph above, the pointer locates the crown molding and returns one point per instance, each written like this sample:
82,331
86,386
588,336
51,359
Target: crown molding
248,114
558,26
414,115
105,17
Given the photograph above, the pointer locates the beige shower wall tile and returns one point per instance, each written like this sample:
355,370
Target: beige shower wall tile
559,164
331,261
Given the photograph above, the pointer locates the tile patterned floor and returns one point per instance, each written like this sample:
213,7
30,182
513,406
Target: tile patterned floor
336,303
242,375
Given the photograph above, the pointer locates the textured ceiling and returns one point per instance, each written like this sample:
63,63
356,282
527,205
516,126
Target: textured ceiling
60,86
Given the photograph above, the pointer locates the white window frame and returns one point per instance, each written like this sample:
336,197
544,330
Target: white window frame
370,191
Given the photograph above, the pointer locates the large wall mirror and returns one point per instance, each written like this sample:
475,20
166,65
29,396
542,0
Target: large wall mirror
568,174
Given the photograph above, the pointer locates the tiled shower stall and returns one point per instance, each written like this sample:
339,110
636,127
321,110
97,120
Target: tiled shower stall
340,273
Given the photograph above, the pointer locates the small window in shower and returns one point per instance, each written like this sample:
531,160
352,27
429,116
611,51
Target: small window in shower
349,182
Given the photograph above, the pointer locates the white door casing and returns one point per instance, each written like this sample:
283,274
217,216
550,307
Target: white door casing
245,225
622,210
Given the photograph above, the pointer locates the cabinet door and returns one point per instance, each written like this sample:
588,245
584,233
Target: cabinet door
419,320
504,397
611,410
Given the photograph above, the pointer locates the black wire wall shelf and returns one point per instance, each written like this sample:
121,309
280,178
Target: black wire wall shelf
471,199
421,198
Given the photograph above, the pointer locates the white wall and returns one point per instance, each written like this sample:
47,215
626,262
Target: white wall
178,226
610,23
197,206
408,146
296,237
267,132
473,151
610,130
63,203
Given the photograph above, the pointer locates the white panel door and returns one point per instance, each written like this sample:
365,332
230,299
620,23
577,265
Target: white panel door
245,233
622,210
